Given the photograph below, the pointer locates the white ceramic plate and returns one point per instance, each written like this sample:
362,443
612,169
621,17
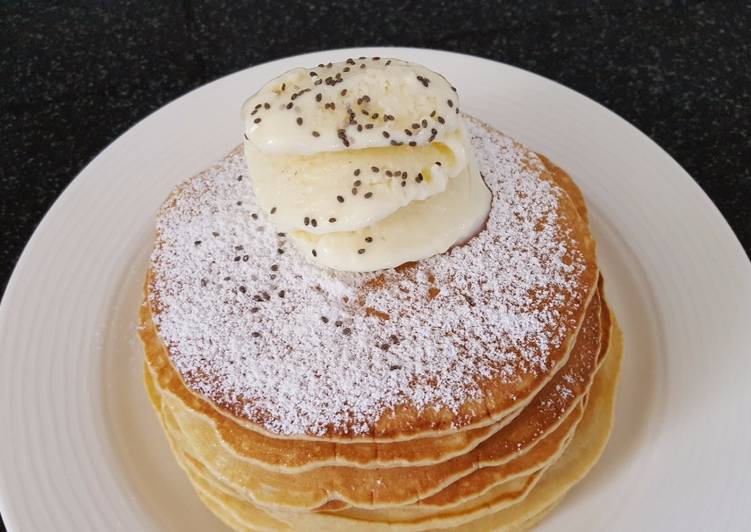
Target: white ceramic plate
82,450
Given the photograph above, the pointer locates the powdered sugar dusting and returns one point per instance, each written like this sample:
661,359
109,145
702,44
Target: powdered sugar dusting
255,328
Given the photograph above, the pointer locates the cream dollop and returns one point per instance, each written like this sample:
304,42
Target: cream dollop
365,163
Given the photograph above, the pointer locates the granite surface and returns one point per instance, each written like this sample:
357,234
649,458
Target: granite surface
75,78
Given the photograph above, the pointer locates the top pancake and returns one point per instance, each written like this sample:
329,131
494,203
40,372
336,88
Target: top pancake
456,341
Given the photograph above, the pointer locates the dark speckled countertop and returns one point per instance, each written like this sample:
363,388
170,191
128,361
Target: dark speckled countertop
74,79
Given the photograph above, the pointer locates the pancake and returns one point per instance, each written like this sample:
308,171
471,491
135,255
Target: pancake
471,390
377,381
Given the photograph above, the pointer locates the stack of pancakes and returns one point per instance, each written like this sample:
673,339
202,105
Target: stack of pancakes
500,460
